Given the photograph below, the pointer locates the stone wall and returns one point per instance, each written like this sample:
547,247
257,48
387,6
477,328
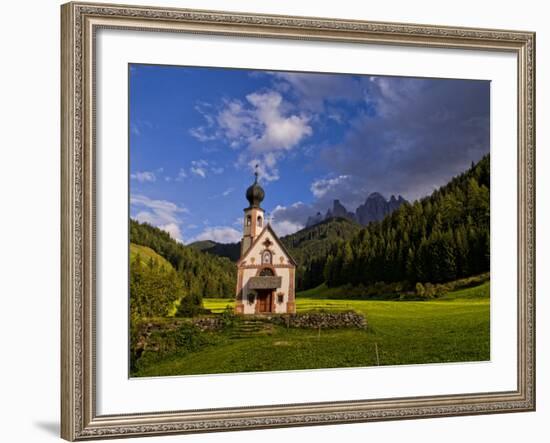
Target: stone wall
313,320
323,320
208,323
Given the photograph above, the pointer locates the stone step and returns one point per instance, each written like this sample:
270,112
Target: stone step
251,328
247,335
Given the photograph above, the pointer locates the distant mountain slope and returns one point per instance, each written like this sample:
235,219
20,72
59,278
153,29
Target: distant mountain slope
328,230
310,247
202,274
230,250
437,239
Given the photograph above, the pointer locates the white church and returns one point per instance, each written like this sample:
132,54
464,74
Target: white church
265,271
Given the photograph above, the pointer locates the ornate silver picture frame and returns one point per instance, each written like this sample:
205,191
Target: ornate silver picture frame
80,23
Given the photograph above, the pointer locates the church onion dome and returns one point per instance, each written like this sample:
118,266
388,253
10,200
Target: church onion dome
255,193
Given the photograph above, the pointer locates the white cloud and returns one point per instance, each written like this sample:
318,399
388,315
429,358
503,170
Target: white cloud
181,175
321,187
219,234
265,127
201,172
161,213
174,230
204,133
201,168
223,194
266,166
135,129
278,132
286,227
235,121
144,176
198,167
201,135
288,220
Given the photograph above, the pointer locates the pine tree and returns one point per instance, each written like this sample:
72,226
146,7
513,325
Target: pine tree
434,240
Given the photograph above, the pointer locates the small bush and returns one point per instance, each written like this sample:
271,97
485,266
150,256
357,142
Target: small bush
170,339
228,317
421,292
440,290
189,338
429,290
191,306
137,340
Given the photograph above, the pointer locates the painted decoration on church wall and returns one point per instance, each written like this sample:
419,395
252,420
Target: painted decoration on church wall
298,221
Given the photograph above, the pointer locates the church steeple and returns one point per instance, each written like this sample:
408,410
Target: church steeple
255,193
253,214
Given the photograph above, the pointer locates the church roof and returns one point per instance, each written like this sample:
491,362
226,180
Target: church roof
275,237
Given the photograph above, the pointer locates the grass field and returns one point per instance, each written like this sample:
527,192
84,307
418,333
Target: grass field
454,328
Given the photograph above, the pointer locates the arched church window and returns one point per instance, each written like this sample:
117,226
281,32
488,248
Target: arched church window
266,272
259,221
266,258
248,220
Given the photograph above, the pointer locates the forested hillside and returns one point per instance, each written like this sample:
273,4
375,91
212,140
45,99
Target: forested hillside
437,239
145,254
155,287
440,238
201,274
311,246
230,250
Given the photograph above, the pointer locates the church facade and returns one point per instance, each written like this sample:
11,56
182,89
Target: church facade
265,270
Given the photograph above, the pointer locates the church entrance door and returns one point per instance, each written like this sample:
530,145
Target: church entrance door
264,301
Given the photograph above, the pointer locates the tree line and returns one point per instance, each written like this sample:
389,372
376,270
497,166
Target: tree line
195,274
311,246
153,288
436,239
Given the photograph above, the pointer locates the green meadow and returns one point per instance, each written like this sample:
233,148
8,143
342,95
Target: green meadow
452,328
147,254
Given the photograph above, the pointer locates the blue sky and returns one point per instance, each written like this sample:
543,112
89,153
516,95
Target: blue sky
197,133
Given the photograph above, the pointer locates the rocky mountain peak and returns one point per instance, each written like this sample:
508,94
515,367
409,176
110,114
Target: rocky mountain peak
376,196
339,210
375,208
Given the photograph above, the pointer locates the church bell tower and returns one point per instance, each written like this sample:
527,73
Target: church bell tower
253,215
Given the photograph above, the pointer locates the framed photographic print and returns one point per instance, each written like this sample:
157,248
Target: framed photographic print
283,221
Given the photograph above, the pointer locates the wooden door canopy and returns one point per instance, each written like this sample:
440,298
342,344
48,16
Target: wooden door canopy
267,282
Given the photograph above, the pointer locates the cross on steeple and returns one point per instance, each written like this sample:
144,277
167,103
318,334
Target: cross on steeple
256,173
